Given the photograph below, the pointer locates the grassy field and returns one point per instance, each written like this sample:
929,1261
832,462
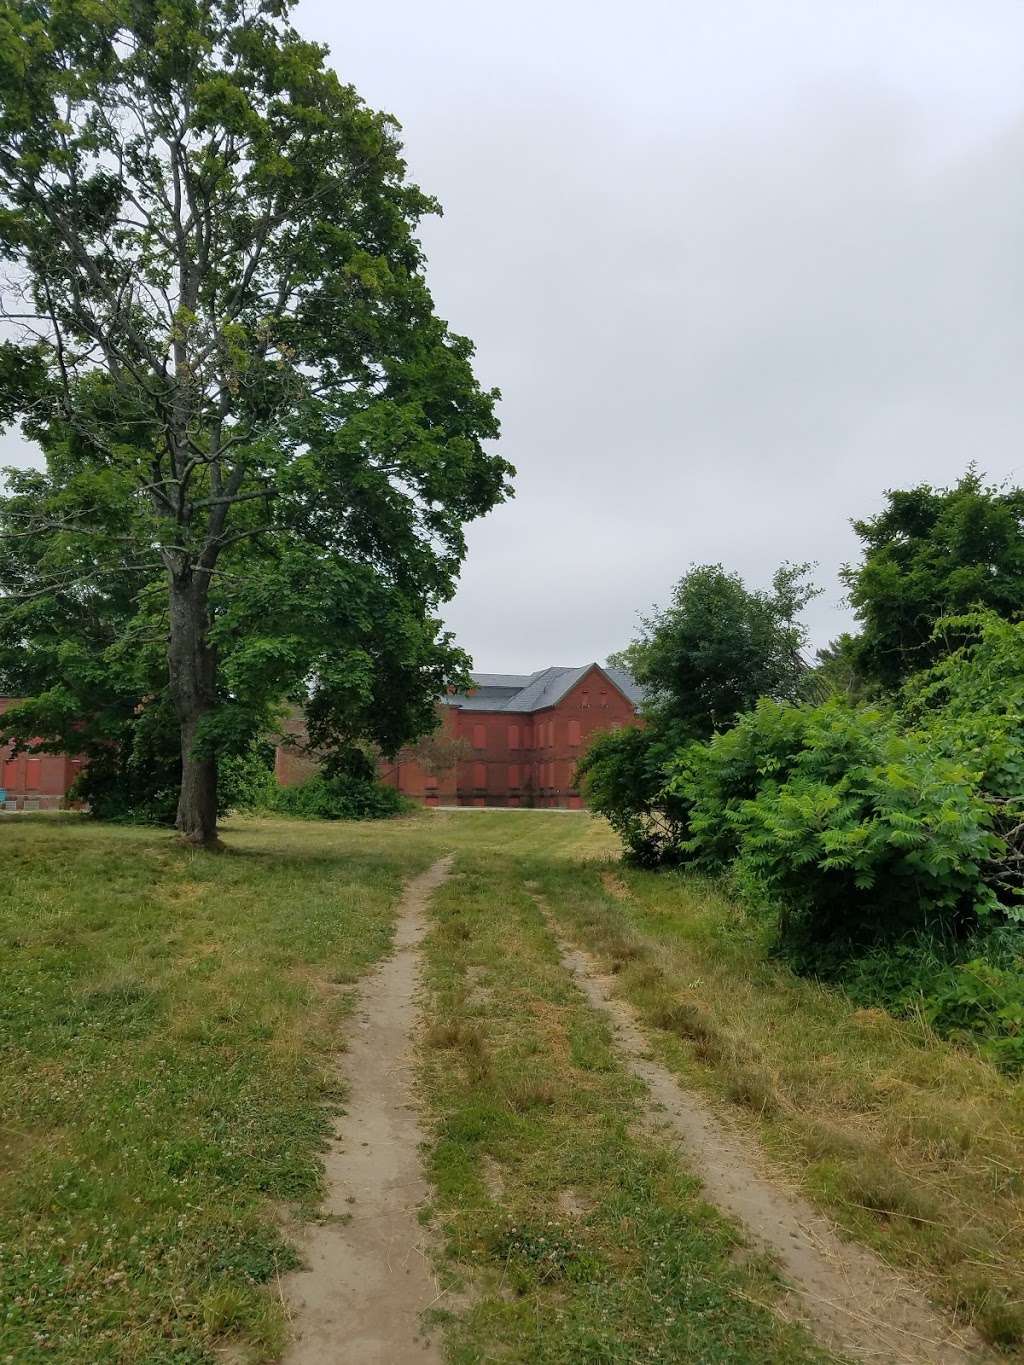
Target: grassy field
168,1024
165,1080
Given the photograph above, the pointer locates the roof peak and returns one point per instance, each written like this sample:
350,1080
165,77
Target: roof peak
517,692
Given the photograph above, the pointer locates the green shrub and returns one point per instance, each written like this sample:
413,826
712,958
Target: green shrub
972,990
985,1004
853,830
713,779
245,782
140,786
136,781
888,840
340,797
623,777
971,706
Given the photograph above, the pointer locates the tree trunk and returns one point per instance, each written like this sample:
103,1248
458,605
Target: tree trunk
192,670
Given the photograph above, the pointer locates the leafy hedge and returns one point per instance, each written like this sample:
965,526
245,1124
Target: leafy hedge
623,773
340,797
971,990
138,784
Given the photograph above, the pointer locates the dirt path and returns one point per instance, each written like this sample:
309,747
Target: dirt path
853,1302
368,1278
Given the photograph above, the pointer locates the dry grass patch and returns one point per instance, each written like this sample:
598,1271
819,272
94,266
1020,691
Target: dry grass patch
914,1145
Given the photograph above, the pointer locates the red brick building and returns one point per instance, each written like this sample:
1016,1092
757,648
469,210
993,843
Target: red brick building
34,781
511,740
520,737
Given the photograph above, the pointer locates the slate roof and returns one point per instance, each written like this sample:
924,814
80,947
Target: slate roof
535,691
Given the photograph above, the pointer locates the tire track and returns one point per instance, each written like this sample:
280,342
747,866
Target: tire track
368,1279
852,1301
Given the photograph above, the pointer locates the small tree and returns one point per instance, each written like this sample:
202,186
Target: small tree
836,673
228,350
718,647
439,752
933,552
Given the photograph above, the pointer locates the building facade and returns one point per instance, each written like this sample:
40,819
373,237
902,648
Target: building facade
515,740
34,781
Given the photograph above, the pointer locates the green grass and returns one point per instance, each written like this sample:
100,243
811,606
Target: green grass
169,1024
915,1146
577,1238
165,1074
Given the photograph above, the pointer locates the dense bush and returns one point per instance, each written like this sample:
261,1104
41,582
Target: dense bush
930,553
138,783
888,840
717,647
246,781
971,705
340,797
854,830
624,775
971,990
136,778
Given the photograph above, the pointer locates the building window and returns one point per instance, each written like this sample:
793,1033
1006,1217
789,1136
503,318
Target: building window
479,736
574,732
585,701
513,736
513,774
604,698
479,775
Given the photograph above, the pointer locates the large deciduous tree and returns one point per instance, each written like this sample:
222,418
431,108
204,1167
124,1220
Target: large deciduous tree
254,421
932,553
718,647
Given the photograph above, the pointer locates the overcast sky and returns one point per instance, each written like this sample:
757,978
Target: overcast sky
736,268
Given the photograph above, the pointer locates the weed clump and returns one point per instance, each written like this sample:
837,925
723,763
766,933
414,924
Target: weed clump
753,1089
546,1250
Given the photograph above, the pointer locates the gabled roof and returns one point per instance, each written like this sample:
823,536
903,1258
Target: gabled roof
535,691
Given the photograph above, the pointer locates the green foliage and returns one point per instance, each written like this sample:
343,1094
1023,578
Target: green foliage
984,1003
972,990
836,673
854,830
623,776
932,553
340,797
718,647
248,407
972,700
247,780
701,662
136,782
888,840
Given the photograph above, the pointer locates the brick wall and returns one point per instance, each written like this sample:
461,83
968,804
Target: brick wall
512,759
529,759
35,781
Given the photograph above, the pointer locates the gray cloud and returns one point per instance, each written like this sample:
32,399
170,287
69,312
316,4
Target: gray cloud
737,268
